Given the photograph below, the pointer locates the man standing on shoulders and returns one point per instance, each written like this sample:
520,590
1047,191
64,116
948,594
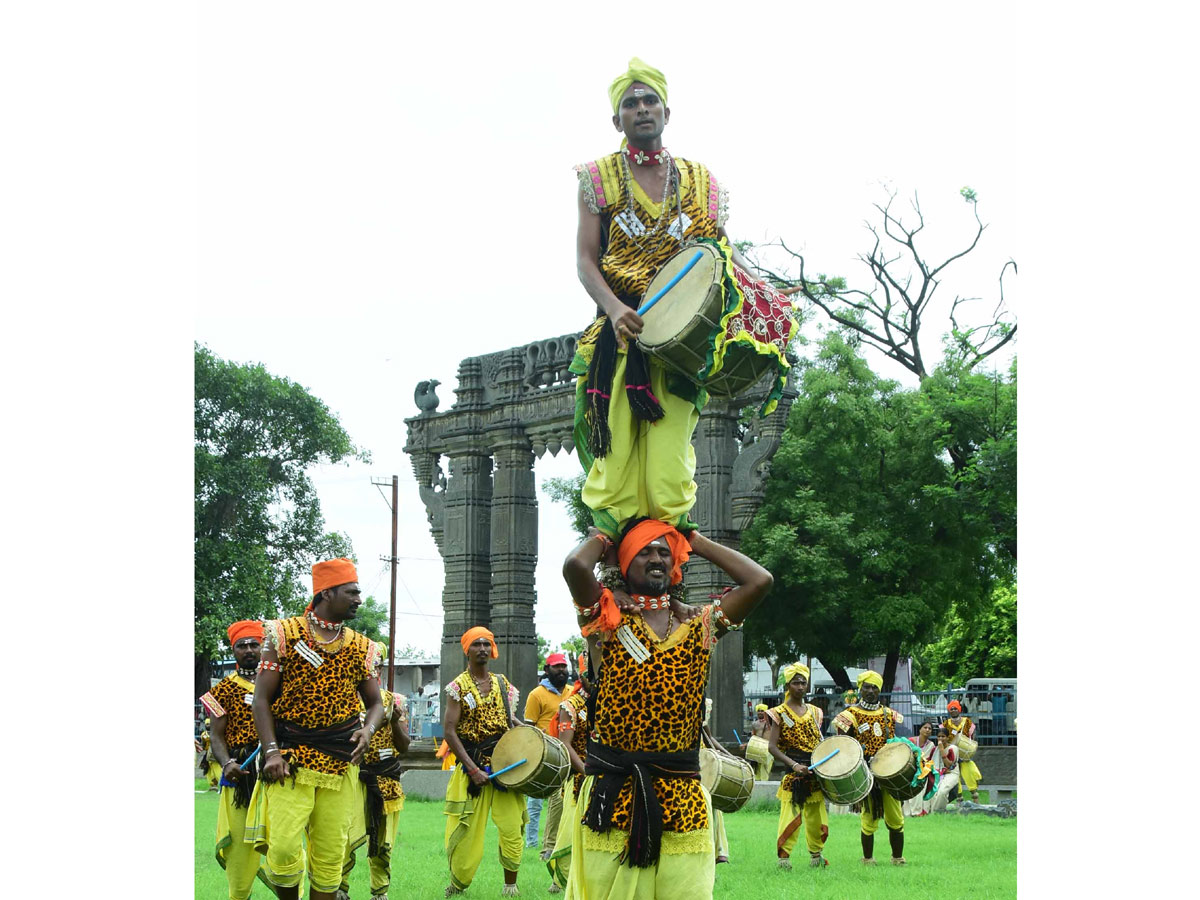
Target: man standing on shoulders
541,710
959,724
793,731
234,740
873,725
313,672
646,829
479,708
379,790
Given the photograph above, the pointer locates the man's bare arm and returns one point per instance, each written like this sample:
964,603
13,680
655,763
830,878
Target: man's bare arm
579,571
753,581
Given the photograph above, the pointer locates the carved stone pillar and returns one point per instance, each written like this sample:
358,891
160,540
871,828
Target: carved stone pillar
716,446
466,551
514,542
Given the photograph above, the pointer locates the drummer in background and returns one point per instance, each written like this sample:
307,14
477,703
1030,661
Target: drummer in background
960,724
636,208
541,711
793,731
873,724
759,729
479,708
647,710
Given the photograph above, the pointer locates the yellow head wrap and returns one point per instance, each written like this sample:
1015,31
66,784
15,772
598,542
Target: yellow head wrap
870,677
761,707
638,71
790,672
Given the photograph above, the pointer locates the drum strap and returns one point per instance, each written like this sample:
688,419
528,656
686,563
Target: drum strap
802,787
368,774
612,768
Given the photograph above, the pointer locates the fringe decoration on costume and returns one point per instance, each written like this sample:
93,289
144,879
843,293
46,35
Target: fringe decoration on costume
642,402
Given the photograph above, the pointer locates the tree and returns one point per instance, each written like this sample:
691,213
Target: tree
889,315
862,525
569,492
973,645
258,523
372,620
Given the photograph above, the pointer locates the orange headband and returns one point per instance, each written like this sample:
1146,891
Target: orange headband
474,634
249,628
650,530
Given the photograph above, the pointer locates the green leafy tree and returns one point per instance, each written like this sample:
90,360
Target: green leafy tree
568,492
258,523
862,526
372,620
573,646
973,644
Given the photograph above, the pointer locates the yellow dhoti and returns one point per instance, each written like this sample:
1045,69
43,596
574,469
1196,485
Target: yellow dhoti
239,859
282,815
466,824
811,814
893,815
685,870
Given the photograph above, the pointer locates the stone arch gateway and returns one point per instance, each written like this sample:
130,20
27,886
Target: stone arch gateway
512,406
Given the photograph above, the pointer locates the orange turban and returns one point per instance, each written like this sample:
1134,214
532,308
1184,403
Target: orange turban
331,573
251,628
474,634
649,530
638,537
954,706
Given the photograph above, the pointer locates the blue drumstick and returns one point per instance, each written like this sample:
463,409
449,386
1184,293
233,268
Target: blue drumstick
519,762
736,738
670,284
823,760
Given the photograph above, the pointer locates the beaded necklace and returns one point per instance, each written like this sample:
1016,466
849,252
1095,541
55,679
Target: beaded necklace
869,707
641,159
671,181
247,673
644,602
335,627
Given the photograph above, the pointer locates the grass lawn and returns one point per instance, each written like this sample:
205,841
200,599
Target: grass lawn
942,851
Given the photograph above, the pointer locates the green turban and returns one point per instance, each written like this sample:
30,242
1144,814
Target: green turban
638,71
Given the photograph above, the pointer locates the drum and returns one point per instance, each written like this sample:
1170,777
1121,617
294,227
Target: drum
546,763
756,750
729,779
845,778
966,747
681,328
894,767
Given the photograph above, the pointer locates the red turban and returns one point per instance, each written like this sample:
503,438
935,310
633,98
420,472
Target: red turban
638,537
474,634
954,706
251,628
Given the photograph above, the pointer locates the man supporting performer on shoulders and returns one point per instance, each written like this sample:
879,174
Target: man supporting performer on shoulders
633,419
479,708
646,819
314,671
380,796
958,724
541,709
234,741
873,725
793,731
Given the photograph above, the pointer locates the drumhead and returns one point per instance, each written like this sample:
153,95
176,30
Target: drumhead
670,316
710,768
892,759
847,760
518,743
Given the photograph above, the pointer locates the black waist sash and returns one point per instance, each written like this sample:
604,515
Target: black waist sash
477,751
802,785
612,768
244,786
369,774
333,740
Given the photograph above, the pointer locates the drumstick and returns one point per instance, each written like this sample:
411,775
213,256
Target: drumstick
670,284
736,738
519,762
826,759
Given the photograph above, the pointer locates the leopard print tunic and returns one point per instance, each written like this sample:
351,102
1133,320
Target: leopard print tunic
320,696
657,706
236,694
797,733
481,717
382,740
873,728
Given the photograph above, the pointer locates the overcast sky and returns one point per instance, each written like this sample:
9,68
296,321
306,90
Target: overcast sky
385,192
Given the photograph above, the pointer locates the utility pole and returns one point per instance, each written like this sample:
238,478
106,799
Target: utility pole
391,675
